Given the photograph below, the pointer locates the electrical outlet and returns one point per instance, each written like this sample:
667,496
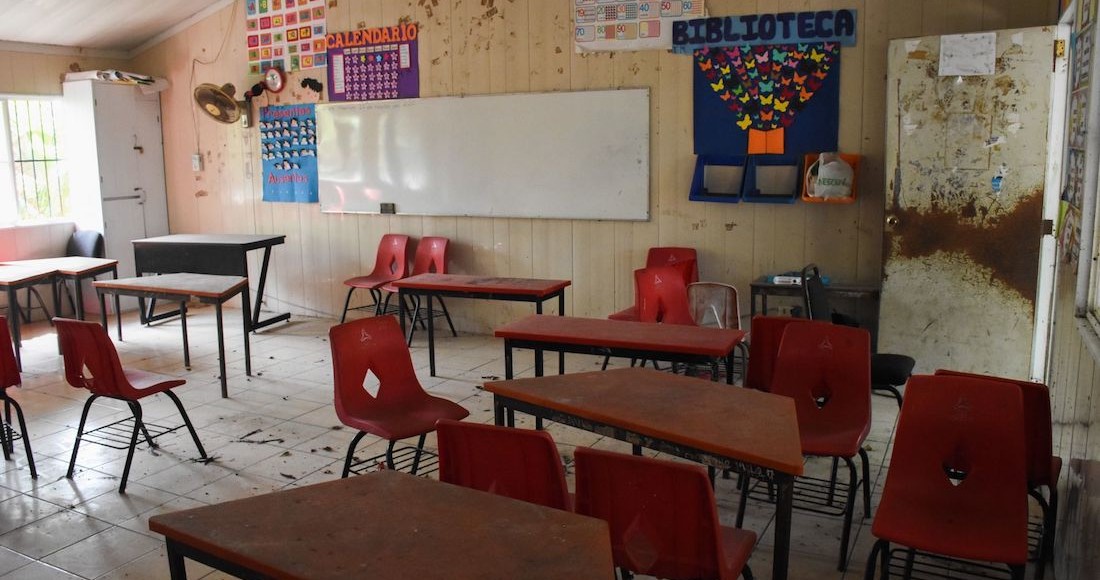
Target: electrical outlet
196,162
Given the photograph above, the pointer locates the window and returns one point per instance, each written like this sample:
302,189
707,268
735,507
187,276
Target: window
33,181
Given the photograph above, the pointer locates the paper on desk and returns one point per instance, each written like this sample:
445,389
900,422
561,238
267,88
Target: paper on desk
968,54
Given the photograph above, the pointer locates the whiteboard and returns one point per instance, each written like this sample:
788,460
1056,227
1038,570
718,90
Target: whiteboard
568,155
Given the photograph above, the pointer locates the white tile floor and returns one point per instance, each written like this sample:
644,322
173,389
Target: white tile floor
278,429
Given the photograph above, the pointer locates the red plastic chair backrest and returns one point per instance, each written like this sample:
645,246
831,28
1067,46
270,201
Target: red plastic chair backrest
431,256
662,296
91,361
961,427
1040,447
765,333
669,255
9,368
521,464
373,345
662,514
392,259
826,369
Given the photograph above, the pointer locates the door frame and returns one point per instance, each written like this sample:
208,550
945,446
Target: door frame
1048,248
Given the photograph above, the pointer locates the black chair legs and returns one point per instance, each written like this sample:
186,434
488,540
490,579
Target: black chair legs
351,453
8,443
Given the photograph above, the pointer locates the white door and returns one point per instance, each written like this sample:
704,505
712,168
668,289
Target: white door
966,167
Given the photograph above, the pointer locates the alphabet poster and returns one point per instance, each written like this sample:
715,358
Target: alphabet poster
374,64
285,34
288,150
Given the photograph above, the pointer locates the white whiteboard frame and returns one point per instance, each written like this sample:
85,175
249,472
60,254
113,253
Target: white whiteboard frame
563,155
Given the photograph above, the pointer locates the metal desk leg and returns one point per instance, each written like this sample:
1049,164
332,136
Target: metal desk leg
508,374
784,503
118,307
176,567
729,368
247,324
498,412
103,314
561,312
256,323
13,323
431,336
401,313
183,327
221,348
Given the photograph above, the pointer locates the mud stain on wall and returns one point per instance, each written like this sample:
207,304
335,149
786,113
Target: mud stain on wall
1008,244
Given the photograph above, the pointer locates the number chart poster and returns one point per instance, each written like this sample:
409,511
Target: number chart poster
374,64
288,149
285,34
600,25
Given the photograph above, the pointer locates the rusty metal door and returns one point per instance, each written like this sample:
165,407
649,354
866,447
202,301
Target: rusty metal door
966,164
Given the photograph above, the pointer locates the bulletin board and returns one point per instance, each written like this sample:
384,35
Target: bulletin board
565,155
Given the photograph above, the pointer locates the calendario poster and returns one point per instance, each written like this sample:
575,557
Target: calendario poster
374,64
285,34
288,149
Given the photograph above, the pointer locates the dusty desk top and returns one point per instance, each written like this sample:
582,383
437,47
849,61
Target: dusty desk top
388,524
753,426
677,338
200,285
485,284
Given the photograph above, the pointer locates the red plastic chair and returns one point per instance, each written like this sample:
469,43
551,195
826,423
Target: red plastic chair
1043,466
684,259
956,474
391,263
826,369
662,517
766,332
522,464
91,362
9,377
401,408
430,258
663,296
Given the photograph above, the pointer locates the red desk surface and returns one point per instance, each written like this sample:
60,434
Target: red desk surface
756,427
716,342
68,265
387,524
485,284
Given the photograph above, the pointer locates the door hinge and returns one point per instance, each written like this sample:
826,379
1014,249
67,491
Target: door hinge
1059,52
1048,227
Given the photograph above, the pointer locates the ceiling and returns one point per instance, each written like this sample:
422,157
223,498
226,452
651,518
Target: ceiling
109,27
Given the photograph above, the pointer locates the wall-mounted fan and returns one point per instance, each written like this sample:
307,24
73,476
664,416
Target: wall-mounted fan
219,103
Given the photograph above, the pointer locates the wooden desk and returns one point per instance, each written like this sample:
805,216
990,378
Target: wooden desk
716,425
485,288
219,254
762,288
13,279
77,269
604,337
182,287
386,525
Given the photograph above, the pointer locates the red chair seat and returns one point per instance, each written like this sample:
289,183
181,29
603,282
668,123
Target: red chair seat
404,420
629,314
370,281
147,383
939,526
832,440
737,545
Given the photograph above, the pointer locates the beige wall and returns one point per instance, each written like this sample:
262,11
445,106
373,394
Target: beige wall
522,46
23,73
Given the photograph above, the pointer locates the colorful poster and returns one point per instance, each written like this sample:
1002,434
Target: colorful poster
285,34
779,100
288,149
600,25
374,64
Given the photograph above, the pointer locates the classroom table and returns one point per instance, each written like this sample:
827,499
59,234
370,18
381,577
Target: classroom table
719,426
762,288
74,268
486,288
181,287
219,254
13,279
386,525
604,337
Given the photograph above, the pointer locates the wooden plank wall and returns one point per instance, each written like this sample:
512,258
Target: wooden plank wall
495,46
24,73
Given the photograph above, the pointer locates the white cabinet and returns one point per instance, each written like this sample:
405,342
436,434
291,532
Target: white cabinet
115,156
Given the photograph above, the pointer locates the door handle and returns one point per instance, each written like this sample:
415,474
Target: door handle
892,220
